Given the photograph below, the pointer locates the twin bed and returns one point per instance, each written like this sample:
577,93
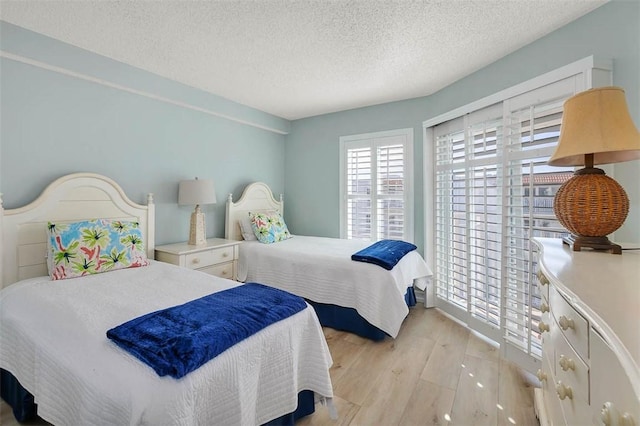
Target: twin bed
357,297
56,358
54,351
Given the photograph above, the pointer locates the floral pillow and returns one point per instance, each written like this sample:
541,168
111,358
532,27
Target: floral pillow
93,246
269,227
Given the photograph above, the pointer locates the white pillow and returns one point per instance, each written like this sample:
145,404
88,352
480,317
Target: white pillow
246,229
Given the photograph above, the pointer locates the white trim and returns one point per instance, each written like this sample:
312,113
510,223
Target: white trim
106,83
429,207
566,71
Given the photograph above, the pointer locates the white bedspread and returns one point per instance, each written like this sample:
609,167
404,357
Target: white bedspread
52,338
320,269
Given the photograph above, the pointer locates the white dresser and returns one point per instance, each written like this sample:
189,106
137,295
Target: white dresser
590,336
217,257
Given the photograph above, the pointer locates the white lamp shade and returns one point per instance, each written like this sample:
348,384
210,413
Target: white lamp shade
196,191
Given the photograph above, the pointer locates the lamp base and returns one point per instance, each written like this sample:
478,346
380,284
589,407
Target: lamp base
197,232
577,242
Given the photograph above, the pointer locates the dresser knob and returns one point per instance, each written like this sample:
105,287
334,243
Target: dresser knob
566,323
564,391
566,363
225,254
195,261
606,415
542,376
544,308
542,327
626,420
543,280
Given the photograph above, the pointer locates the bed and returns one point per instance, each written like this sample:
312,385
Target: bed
54,353
352,296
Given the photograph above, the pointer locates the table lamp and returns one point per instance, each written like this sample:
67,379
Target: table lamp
197,191
596,129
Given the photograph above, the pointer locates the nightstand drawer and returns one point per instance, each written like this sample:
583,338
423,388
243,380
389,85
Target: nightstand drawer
207,258
224,270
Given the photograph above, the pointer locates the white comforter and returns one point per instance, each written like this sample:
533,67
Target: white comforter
52,338
320,269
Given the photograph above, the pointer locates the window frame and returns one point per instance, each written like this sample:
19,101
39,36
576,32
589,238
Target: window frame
372,140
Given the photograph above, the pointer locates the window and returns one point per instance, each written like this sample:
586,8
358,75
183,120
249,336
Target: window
376,186
492,192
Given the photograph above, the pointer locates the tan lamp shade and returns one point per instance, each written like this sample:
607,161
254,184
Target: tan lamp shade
596,122
596,129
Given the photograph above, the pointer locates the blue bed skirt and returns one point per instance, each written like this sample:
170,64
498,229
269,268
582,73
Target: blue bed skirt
24,408
348,319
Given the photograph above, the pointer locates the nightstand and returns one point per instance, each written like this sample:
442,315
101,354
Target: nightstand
218,257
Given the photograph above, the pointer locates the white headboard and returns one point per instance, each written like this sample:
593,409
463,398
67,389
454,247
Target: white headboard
256,197
78,196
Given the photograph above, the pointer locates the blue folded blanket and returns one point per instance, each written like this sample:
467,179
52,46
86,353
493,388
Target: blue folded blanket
385,253
178,340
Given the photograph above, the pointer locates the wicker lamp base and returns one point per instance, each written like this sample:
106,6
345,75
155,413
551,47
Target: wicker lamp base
591,206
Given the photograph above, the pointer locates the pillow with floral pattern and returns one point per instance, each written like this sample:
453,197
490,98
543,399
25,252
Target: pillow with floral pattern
93,246
269,227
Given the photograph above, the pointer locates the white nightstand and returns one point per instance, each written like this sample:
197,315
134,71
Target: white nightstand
218,257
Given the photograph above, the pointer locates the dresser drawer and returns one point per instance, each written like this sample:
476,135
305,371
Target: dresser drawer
613,398
573,374
223,270
203,259
571,324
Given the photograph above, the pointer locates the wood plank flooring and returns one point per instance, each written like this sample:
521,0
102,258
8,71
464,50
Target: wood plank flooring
435,373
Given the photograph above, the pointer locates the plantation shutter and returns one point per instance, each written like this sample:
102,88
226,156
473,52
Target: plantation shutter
359,175
493,193
533,128
390,189
378,181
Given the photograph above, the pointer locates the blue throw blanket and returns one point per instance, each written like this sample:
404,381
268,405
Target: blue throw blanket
385,253
178,340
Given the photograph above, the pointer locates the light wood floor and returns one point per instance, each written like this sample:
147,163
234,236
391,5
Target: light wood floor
435,373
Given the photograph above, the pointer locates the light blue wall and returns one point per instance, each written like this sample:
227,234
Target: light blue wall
312,148
53,124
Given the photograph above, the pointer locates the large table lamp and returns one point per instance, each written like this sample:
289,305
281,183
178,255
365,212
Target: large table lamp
197,191
596,129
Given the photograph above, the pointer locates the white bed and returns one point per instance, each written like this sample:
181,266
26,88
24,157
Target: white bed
321,270
52,333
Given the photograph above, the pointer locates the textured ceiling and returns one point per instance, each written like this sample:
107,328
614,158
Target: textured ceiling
302,58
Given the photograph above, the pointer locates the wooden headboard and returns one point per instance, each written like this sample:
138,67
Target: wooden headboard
75,197
256,197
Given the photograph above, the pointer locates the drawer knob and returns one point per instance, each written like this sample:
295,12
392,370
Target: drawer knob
542,376
567,363
544,308
626,420
566,323
610,416
564,391
195,261
543,327
606,414
225,254
543,280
